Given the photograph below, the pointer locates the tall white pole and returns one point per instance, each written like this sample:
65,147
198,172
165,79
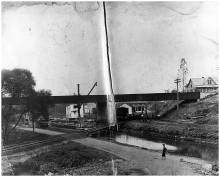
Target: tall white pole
107,71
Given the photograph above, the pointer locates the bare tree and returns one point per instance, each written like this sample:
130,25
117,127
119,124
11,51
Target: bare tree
183,71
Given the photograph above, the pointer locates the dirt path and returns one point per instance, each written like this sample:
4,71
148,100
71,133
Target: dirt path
42,131
144,159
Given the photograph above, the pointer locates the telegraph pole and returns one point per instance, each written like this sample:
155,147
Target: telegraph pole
177,81
78,105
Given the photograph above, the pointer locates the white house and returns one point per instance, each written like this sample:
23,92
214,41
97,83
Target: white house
129,107
89,108
86,109
137,108
204,85
72,111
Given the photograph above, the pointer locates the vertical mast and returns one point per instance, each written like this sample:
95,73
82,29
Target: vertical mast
107,48
111,112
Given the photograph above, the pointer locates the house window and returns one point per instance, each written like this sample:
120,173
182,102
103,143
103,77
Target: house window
138,108
209,82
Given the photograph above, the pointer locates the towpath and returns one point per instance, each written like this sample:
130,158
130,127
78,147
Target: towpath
42,131
144,159
148,161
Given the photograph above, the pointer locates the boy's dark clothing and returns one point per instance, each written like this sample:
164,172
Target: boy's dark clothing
164,152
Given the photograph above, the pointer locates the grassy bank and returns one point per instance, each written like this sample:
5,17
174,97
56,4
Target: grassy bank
194,121
71,158
20,136
174,131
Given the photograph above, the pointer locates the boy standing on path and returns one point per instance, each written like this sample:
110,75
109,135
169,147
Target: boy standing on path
164,152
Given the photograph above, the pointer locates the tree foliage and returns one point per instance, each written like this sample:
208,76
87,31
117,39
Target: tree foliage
174,91
38,105
44,104
183,71
19,83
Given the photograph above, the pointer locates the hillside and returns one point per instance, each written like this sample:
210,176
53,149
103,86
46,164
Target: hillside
204,112
195,122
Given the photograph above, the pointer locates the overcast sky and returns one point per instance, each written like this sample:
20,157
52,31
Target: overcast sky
61,44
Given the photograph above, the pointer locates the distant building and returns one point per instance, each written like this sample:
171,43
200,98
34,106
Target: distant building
128,106
72,111
85,110
203,85
58,111
137,108
89,110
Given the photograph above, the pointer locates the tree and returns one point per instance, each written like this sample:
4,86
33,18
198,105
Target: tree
39,104
19,83
15,83
46,103
183,71
174,91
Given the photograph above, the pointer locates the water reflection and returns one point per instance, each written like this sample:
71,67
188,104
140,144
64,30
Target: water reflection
203,151
126,139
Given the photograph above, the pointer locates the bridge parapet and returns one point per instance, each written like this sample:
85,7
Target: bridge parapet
188,96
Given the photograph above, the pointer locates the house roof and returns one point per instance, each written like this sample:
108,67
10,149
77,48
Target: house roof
131,104
202,81
215,79
198,81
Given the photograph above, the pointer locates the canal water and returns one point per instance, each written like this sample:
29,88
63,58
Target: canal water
204,151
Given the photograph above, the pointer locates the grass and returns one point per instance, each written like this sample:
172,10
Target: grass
207,107
61,158
20,136
173,124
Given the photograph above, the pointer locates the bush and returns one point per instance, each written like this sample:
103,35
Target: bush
48,167
28,166
65,156
215,167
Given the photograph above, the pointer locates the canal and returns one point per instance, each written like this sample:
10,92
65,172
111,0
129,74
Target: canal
203,151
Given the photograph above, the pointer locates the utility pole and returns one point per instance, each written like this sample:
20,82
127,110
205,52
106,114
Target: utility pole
177,81
78,105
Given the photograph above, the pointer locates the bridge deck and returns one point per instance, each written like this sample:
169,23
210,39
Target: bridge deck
188,96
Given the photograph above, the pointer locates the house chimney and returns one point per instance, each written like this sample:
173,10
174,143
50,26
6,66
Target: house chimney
203,80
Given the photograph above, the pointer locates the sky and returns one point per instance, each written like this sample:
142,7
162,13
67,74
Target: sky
62,43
